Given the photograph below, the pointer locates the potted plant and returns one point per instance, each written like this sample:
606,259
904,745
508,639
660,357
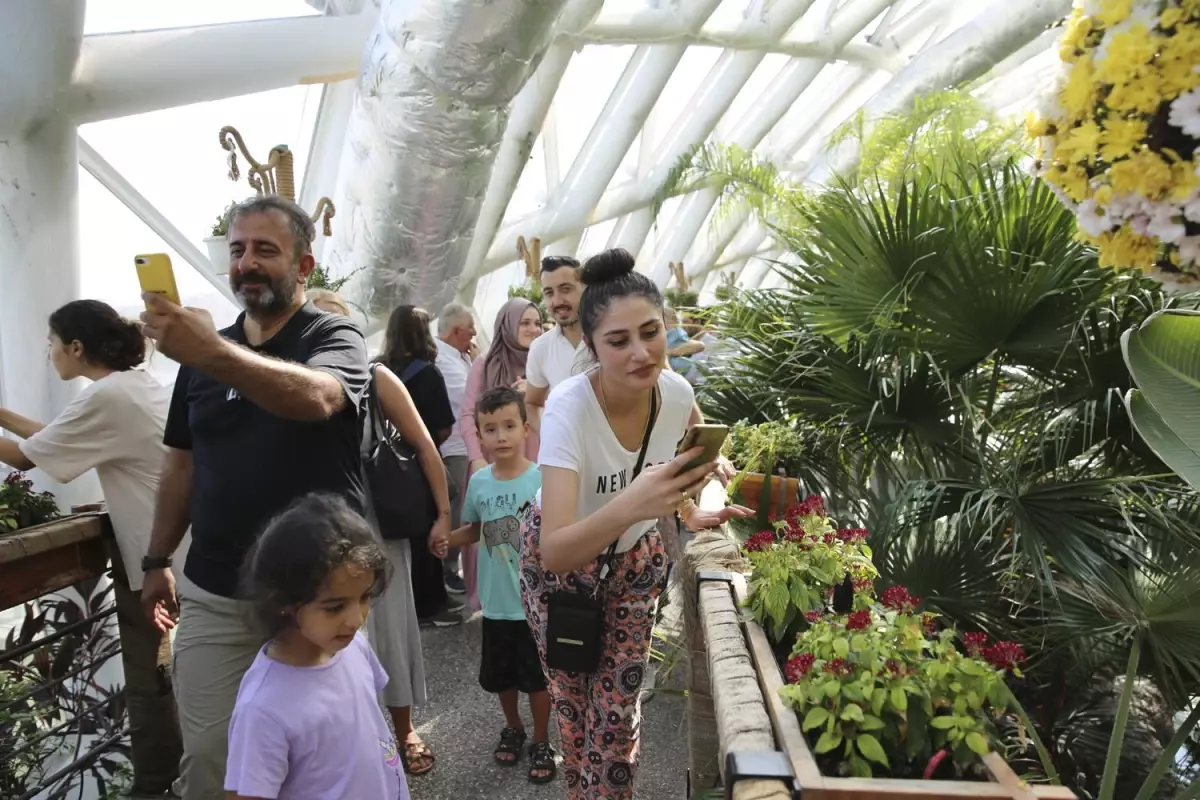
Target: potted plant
22,507
799,563
765,454
682,298
215,242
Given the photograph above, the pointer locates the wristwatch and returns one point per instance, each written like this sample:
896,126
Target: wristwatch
155,562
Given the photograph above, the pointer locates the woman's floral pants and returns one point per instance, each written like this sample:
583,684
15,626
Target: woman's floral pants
599,714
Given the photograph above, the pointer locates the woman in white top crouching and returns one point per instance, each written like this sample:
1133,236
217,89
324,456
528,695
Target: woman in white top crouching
593,431
115,426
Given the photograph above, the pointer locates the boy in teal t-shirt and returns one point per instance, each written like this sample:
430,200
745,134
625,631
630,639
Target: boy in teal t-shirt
509,662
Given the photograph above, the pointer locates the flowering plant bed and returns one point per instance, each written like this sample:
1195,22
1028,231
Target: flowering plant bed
875,698
1117,139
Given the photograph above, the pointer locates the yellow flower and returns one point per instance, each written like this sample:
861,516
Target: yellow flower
1185,178
1137,97
1103,196
1129,53
1170,18
1078,96
1036,126
1121,137
1073,180
1084,141
1113,12
1075,36
1126,249
1144,174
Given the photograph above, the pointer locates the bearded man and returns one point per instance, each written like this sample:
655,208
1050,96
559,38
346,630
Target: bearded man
262,413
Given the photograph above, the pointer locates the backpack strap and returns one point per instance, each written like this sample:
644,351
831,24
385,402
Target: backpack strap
414,366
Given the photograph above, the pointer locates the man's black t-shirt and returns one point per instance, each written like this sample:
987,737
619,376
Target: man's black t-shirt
249,464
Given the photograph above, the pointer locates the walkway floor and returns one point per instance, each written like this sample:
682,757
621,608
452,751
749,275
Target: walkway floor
462,724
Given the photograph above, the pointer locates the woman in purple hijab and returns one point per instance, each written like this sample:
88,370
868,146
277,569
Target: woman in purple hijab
517,325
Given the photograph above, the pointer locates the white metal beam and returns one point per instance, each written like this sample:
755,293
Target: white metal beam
794,78
700,116
525,121
132,73
146,211
325,151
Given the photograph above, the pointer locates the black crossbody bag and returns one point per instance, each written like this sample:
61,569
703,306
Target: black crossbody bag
574,620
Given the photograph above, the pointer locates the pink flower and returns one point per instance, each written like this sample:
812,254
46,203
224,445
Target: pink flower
798,666
759,541
1004,655
858,621
813,616
975,642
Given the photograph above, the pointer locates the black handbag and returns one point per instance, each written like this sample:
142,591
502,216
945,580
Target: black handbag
575,621
400,494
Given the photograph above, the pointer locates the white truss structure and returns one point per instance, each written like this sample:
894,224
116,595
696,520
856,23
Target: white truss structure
782,75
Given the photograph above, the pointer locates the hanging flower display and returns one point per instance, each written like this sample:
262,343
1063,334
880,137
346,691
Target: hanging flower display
1117,139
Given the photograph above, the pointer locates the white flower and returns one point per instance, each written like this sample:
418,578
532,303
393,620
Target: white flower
1189,251
1165,225
1185,113
1092,220
1191,207
1140,224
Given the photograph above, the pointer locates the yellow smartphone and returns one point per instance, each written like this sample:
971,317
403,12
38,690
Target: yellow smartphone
155,274
710,437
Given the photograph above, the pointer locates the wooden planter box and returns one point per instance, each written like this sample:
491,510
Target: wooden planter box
784,492
1004,784
45,558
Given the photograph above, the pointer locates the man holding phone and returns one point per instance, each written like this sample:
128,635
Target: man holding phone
262,413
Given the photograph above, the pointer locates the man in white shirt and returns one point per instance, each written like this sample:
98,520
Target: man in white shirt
561,353
456,339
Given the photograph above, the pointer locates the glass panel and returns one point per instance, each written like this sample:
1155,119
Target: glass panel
110,235
173,157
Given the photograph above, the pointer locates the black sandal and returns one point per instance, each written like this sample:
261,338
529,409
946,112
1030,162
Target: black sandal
541,759
511,742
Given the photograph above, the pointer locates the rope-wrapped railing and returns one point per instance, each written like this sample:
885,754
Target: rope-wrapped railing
726,711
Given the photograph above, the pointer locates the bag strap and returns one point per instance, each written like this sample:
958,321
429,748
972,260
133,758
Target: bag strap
376,416
606,563
414,366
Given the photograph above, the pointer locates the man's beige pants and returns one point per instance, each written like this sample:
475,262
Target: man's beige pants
216,642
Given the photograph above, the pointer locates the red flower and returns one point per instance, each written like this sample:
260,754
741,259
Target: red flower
798,666
1004,655
852,535
813,616
858,621
897,597
862,585
929,623
812,506
759,541
839,667
975,642
894,668
793,534
828,538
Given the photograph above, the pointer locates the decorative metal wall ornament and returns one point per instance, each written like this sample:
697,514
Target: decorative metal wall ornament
277,176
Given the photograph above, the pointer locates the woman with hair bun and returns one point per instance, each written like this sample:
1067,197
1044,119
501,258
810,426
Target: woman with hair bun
114,426
610,433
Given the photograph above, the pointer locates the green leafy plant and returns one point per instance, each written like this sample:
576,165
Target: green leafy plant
726,287
882,690
764,447
220,226
21,506
19,723
797,565
682,298
320,279
531,290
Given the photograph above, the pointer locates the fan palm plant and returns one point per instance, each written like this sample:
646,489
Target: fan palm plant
951,354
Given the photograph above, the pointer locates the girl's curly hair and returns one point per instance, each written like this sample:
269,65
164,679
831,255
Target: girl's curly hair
298,550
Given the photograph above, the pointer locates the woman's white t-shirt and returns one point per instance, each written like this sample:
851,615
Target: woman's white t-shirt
576,436
115,426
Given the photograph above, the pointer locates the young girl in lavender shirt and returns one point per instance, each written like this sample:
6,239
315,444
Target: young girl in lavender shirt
307,724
